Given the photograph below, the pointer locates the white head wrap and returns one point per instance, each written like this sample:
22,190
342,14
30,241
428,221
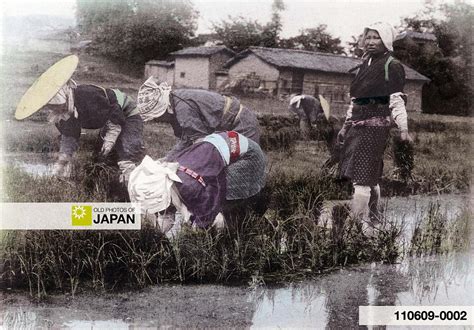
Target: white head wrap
150,184
153,99
296,100
64,96
386,32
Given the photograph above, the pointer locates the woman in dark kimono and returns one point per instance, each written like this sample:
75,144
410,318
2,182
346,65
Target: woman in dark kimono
377,96
107,109
73,107
308,109
195,182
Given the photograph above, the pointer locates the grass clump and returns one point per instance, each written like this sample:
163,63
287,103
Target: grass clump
285,242
270,248
436,233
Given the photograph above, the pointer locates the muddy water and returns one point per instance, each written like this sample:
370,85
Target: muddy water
36,164
330,300
407,211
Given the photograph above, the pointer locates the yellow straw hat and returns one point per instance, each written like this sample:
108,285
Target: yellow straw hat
325,106
46,86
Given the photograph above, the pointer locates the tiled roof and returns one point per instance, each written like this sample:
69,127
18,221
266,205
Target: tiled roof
417,35
202,51
160,63
314,61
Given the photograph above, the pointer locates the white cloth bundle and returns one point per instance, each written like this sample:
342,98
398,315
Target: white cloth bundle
296,100
150,184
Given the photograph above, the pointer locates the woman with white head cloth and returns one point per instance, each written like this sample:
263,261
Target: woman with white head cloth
196,113
308,109
376,97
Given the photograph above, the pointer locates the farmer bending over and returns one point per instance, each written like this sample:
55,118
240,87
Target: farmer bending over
195,182
194,114
73,107
309,110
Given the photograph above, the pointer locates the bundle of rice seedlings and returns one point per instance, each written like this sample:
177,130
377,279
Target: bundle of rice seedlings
404,158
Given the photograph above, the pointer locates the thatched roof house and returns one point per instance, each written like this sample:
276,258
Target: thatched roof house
202,51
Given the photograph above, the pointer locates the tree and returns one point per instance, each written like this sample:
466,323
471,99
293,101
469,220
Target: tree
271,32
314,39
355,49
449,63
239,33
135,31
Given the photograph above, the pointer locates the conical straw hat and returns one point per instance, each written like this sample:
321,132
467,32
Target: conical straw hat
46,86
325,106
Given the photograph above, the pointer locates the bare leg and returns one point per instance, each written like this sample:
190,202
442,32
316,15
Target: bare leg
374,213
360,201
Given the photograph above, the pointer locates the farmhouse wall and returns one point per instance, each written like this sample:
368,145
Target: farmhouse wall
413,90
222,80
252,64
192,72
162,73
216,63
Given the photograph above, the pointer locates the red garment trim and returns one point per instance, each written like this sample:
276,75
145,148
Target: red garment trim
192,174
234,145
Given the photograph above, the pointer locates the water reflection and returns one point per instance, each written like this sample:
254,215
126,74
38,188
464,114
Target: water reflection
109,324
329,301
332,300
31,163
44,318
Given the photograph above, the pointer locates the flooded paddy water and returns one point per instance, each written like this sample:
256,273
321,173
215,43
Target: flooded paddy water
330,300
35,164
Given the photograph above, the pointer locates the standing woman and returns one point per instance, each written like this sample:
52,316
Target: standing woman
376,97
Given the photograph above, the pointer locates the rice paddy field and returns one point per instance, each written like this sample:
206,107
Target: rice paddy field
281,237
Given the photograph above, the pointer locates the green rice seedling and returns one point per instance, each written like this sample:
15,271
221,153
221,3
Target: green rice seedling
438,233
386,245
278,132
268,247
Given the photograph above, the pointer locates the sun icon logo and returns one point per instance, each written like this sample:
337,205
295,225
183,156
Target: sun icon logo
78,212
81,215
